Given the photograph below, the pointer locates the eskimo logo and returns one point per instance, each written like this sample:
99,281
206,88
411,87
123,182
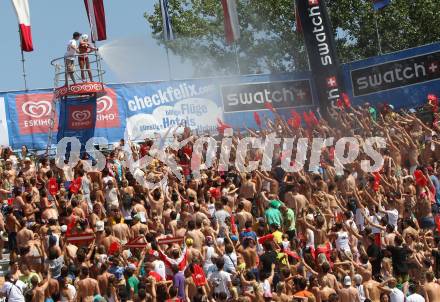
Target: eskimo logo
104,103
36,109
396,74
81,116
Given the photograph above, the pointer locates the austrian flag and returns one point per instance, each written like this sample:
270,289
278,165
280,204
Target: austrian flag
24,21
96,15
232,27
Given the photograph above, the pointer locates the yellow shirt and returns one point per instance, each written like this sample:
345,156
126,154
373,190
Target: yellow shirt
277,236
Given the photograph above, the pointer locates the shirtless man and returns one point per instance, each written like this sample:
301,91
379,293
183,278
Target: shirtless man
431,288
109,238
121,230
38,290
242,216
24,237
348,293
137,228
156,200
87,287
248,188
12,227
103,278
328,277
196,235
249,254
372,292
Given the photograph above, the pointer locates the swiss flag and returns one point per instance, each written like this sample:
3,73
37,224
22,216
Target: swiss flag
346,99
296,119
331,82
257,119
53,186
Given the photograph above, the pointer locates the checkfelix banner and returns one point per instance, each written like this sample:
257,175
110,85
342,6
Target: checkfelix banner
321,49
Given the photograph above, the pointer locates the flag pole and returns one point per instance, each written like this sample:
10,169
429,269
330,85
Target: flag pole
169,62
23,65
379,42
237,57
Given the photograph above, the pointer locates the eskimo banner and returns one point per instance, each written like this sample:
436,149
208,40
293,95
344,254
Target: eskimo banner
403,78
321,49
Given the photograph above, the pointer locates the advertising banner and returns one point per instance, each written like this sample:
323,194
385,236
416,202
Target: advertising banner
321,49
144,109
154,107
80,119
4,135
403,79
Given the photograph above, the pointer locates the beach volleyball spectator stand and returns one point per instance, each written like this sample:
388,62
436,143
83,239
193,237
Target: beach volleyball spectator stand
74,82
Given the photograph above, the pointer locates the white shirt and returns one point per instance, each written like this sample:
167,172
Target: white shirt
415,298
72,292
71,49
397,295
230,262
310,238
393,216
14,292
220,282
342,241
159,267
359,218
361,292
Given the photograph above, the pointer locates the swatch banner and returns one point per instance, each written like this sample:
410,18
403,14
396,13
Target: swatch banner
142,110
321,49
79,116
403,79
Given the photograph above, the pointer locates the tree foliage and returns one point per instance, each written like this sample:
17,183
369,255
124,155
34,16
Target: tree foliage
269,42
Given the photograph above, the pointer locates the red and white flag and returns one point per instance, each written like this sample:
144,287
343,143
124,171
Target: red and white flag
24,21
232,27
96,14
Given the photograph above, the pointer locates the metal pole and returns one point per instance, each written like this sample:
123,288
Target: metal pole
169,63
23,60
379,42
237,58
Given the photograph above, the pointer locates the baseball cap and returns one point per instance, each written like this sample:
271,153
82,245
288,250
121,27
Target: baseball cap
347,280
275,203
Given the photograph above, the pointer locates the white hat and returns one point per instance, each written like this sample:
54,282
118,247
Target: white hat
99,226
347,281
63,228
84,37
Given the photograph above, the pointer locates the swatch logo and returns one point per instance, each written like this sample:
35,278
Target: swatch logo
81,116
37,109
34,113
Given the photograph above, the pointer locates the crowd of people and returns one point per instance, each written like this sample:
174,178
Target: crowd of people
84,235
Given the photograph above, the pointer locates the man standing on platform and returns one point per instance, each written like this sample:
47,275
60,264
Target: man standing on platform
72,50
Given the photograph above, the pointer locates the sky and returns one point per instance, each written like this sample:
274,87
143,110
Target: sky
54,21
